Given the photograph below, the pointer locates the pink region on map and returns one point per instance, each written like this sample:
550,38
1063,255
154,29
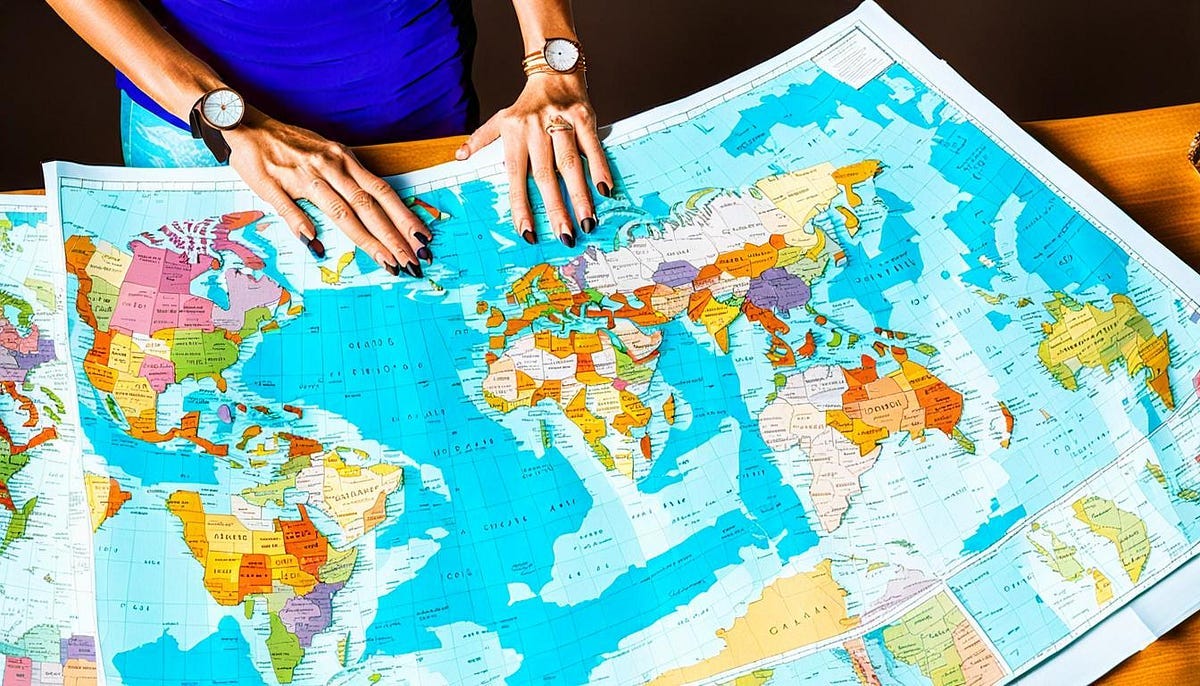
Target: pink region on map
164,270
245,294
232,222
159,373
13,340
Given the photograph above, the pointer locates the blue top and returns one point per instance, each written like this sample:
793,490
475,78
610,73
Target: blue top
354,71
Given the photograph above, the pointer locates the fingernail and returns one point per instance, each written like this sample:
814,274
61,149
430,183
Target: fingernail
604,189
423,238
529,236
425,254
588,224
392,269
414,270
461,153
316,247
568,238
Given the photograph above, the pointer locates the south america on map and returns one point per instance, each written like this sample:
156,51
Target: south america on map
854,382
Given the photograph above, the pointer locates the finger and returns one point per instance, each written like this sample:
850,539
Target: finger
570,165
370,213
589,144
484,135
339,212
541,157
300,224
415,233
516,161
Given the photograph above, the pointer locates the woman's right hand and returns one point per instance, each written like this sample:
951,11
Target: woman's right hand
281,163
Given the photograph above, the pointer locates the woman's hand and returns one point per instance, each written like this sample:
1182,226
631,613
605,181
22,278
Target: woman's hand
281,163
550,127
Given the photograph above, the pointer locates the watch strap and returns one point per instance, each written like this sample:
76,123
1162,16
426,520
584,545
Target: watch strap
214,138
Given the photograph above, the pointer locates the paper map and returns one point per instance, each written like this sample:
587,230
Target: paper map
854,384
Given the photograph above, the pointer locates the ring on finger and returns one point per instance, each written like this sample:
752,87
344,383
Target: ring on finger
558,123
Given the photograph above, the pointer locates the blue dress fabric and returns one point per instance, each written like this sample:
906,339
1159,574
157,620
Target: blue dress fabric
355,71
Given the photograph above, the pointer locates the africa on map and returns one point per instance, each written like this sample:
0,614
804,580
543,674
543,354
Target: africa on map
854,383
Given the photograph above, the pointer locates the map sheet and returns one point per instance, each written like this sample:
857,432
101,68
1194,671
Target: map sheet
854,384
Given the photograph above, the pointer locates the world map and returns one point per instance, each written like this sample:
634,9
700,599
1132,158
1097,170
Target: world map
845,388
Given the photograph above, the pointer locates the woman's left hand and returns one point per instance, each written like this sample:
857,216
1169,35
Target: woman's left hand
548,131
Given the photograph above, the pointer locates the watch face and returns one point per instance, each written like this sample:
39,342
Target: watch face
223,108
561,54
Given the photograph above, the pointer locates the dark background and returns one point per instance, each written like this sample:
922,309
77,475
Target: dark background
1036,59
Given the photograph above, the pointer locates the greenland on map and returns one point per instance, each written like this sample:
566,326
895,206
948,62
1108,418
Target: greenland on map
854,383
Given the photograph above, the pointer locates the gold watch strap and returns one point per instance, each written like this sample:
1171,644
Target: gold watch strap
535,63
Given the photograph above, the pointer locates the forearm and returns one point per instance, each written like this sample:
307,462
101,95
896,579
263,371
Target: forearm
542,19
127,35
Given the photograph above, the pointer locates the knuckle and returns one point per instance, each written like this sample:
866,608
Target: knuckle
582,113
316,160
338,211
544,175
379,187
568,161
362,199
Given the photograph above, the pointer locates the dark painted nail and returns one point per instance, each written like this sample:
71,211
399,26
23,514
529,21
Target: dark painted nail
414,270
604,189
424,238
529,236
588,224
316,247
425,254
392,269
568,239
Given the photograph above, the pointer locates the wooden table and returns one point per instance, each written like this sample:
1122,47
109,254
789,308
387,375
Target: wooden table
1138,160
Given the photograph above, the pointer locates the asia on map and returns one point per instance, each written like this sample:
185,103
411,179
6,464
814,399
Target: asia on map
854,383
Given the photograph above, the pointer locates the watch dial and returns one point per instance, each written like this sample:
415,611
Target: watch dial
561,54
223,108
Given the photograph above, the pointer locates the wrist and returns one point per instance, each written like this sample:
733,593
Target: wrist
187,91
536,40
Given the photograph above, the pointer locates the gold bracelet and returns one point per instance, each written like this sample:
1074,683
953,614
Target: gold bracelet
539,65
536,62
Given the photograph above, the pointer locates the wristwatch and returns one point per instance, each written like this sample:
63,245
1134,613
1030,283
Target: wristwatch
214,113
557,56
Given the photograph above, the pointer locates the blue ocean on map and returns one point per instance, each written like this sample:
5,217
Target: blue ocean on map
899,436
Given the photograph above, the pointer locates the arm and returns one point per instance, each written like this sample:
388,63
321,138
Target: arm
277,161
530,149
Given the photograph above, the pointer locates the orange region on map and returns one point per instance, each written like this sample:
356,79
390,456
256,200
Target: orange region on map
1009,423
790,613
856,648
239,561
668,409
856,173
590,378
1082,334
24,403
909,399
104,497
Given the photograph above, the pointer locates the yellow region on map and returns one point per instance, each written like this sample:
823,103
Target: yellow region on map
791,612
1126,530
943,644
1085,335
